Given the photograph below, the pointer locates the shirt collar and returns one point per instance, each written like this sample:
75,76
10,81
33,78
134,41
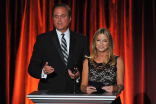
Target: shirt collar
67,33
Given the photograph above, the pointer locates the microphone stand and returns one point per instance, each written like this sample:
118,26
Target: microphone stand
74,72
74,83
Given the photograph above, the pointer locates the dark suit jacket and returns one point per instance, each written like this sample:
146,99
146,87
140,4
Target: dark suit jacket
47,49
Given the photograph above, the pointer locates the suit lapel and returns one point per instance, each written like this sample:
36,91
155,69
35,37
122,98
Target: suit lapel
71,46
57,44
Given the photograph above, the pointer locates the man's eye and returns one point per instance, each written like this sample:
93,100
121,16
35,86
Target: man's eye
55,16
63,16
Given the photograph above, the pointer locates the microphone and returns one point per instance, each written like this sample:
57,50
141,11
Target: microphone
73,69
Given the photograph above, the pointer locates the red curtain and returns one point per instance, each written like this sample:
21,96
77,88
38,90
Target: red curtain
131,22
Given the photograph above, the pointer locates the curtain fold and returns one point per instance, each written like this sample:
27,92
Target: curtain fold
132,24
7,56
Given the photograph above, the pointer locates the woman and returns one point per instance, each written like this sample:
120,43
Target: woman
103,65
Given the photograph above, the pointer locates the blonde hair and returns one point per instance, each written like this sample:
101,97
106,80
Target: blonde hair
110,46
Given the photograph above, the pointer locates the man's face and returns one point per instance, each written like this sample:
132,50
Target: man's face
61,19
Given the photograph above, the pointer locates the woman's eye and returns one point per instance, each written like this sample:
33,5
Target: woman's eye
105,40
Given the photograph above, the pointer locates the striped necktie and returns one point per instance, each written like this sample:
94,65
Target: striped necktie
64,48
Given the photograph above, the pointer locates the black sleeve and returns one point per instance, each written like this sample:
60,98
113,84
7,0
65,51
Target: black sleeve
35,65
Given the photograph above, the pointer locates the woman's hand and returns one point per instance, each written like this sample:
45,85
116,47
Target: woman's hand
108,88
90,89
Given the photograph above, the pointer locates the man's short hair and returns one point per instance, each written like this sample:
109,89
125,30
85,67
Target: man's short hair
62,5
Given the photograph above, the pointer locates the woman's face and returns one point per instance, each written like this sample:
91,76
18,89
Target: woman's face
102,43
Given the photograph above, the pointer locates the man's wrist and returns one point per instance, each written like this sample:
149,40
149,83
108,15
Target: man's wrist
43,75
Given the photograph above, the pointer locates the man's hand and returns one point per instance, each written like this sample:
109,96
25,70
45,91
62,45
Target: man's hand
77,74
48,69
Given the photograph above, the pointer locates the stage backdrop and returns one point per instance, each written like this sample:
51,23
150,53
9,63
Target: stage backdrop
131,22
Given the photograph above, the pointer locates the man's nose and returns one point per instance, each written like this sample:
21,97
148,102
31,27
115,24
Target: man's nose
59,18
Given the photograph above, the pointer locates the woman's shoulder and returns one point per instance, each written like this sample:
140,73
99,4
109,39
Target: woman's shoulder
116,56
87,57
119,59
86,60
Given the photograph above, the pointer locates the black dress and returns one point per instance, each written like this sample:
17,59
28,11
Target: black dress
107,73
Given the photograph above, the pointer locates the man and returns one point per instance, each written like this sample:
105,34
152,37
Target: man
56,52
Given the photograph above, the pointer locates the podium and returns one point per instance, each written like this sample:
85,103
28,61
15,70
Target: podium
43,97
